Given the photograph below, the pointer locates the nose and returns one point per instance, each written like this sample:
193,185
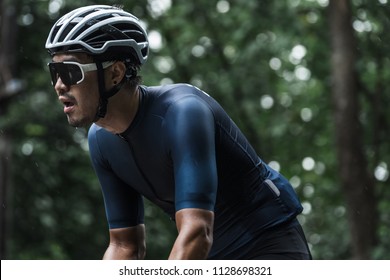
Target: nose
60,86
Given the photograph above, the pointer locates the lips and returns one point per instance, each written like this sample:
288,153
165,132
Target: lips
69,104
68,107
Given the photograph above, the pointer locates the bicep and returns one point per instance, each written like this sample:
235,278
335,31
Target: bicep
123,205
192,135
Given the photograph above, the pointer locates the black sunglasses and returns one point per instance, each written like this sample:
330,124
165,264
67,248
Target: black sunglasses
72,73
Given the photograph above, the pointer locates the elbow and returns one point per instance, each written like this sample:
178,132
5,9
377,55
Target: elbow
141,252
138,252
127,243
195,238
204,241
208,239
207,244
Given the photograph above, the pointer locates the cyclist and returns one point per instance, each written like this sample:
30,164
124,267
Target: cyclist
173,144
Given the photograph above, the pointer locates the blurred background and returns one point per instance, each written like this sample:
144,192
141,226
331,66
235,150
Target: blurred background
308,82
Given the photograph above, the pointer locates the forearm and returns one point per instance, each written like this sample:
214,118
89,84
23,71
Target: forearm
118,252
126,244
195,227
187,248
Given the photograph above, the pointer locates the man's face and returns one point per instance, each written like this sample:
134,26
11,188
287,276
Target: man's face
80,100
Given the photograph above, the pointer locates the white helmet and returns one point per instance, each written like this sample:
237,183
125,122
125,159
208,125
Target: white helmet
97,30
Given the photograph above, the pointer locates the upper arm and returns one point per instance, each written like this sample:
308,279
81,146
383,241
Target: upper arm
123,205
191,132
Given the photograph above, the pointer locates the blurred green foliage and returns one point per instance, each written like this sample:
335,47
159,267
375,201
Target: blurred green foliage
267,62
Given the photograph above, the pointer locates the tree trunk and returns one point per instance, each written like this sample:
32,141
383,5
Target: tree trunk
357,184
9,87
4,168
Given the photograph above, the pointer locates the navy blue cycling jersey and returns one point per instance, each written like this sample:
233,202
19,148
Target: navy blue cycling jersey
183,151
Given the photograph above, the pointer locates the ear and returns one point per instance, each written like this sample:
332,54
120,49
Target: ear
115,74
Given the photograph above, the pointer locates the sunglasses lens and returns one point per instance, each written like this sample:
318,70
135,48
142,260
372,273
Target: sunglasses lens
74,73
70,74
53,73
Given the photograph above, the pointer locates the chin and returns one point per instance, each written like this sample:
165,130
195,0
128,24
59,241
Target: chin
79,122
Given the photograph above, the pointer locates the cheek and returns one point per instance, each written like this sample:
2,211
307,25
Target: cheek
90,85
92,96
89,94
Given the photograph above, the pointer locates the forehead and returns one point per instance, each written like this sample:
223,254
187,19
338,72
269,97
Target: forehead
78,57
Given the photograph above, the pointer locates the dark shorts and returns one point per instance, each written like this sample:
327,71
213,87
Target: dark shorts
286,242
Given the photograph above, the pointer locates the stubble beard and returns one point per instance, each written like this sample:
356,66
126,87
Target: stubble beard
82,122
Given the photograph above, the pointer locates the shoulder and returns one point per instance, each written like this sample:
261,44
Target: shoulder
183,87
98,138
173,92
173,99
189,116
182,96
96,131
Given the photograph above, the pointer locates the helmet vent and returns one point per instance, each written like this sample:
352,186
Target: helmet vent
67,29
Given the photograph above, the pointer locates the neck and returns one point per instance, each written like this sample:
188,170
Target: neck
121,111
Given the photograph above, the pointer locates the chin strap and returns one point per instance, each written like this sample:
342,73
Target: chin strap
104,94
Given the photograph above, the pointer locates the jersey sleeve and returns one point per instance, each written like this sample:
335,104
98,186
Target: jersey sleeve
123,205
191,137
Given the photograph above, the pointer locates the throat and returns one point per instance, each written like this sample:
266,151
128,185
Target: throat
121,111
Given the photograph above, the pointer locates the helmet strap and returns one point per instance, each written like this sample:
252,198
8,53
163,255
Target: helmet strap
104,95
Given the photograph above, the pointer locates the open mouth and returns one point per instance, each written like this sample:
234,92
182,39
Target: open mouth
68,102
68,106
